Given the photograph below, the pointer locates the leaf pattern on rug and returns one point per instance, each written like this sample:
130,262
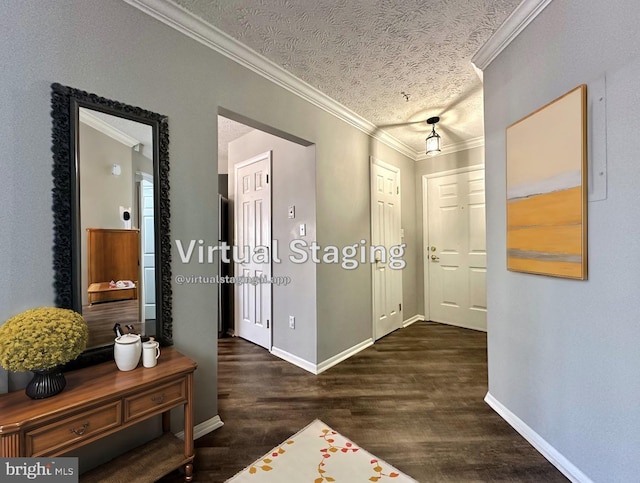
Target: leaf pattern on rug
341,461
329,451
378,469
268,461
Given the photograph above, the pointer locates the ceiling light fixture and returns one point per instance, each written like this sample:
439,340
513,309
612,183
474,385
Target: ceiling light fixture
433,140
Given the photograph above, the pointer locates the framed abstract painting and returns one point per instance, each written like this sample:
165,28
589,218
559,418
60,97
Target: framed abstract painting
547,189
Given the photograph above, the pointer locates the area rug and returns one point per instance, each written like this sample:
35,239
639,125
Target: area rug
318,454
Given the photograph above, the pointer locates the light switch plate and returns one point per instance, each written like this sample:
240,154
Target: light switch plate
303,229
292,211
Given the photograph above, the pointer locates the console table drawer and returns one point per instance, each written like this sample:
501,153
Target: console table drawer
98,401
56,436
157,400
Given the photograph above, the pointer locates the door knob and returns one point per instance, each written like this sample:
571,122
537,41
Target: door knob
434,258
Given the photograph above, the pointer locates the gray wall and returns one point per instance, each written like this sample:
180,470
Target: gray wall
344,211
293,172
444,162
563,354
291,182
111,49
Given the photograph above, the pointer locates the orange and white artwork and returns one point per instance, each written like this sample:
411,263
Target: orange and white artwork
546,189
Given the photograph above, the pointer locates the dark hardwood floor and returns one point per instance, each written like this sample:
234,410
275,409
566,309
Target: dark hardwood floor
102,316
414,399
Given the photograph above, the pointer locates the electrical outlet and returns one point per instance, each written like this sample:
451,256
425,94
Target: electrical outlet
292,322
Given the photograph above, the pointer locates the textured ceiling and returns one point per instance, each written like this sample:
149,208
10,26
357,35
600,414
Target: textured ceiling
366,53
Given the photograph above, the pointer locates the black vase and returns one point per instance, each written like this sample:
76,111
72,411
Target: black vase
45,383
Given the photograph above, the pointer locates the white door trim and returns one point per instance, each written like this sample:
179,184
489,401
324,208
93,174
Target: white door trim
425,228
395,169
390,167
139,178
252,160
424,249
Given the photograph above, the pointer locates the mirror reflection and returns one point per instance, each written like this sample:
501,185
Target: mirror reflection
111,206
117,261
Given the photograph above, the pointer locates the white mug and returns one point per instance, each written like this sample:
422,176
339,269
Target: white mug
150,353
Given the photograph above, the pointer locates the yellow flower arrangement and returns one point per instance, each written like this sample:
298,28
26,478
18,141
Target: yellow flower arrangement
42,338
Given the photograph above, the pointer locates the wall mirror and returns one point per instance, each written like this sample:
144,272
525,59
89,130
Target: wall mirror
111,218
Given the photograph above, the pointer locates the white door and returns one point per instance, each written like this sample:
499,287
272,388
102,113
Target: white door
385,231
147,244
456,252
252,222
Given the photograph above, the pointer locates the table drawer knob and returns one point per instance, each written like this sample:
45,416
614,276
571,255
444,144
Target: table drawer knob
80,431
159,399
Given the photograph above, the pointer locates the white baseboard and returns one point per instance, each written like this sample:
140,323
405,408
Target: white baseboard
295,360
323,366
332,361
205,427
567,468
415,318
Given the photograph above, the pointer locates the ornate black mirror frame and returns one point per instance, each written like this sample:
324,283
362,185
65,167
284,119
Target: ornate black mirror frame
65,105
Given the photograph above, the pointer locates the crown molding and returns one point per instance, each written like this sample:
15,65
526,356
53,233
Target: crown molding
515,23
454,148
187,23
105,128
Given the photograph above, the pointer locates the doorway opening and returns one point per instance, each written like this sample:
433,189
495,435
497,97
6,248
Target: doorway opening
267,200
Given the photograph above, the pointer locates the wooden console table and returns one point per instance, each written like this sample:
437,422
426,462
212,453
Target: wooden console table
101,400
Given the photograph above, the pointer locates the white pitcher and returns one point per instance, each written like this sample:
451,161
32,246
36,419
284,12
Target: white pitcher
150,353
127,351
